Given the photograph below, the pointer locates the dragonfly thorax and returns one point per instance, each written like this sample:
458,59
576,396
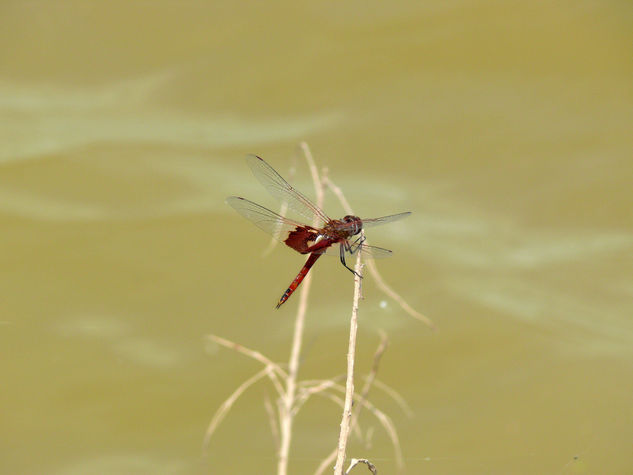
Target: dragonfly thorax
343,228
353,224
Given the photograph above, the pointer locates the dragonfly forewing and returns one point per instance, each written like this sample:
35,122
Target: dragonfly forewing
281,190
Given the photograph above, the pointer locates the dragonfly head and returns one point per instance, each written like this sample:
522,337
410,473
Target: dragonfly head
354,222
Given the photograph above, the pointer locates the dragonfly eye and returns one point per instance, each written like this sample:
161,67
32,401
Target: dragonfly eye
348,218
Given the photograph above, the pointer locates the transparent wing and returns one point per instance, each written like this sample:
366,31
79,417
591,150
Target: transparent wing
370,252
374,252
385,219
280,189
263,218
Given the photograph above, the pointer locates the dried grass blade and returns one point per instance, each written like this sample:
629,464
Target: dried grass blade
226,406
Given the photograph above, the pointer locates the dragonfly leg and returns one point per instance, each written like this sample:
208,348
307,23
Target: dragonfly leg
347,247
355,246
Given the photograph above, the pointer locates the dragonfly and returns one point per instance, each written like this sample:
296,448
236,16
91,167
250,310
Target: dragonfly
318,239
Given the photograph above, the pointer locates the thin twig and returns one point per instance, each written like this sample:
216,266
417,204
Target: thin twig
312,382
371,265
306,392
387,423
384,420
384,341
286,416
354,462
339,194
256,355
349,383
274,423
341,403
395,395
368,436
316,179
318,389
228,403
382,285
327,462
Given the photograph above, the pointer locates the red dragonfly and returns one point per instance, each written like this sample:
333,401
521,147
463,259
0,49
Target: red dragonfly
303,238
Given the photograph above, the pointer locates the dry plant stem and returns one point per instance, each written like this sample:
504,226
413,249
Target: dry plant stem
371,265
274,426
384,420
327,462
394,295
309,391
272,370
354,462
349,383
288,400
256,355
322,387
228,403
395,395
384,341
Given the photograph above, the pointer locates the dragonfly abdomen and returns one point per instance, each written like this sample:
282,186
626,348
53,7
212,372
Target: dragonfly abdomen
300,276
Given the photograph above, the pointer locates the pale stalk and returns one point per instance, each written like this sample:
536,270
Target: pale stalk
349,383
369,381
370,466
286,415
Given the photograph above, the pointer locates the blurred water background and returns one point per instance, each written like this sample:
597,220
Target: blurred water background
506,127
